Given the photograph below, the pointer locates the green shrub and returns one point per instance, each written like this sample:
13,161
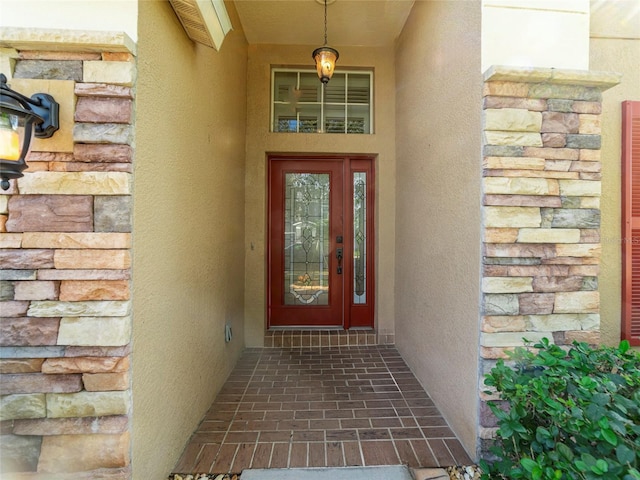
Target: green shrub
568,415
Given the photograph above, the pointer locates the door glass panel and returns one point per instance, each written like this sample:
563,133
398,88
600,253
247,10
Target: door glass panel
359,238
306,242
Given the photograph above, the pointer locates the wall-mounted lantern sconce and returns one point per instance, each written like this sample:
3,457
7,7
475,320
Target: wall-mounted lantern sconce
325,56
20,117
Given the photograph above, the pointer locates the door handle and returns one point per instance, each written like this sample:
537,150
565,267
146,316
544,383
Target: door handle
339,257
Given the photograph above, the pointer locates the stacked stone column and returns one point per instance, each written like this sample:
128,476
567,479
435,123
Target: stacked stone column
65,238
541,211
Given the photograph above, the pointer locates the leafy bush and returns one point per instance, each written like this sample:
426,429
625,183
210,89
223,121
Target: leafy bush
568,415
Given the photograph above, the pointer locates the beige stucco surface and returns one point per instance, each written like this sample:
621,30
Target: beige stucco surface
439,101
615,46
261,142
188,253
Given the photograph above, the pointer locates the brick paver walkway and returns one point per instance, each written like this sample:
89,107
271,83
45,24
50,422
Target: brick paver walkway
317,407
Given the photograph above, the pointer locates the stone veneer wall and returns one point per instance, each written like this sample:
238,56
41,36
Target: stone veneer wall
65,237
541,211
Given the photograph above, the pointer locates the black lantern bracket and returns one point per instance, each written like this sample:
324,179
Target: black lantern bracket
38,116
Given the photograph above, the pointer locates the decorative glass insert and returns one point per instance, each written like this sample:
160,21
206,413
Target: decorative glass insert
359,238
302,104
306,242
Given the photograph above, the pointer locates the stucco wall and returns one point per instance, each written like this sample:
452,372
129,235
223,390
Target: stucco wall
260,142
189,229
615,46
439,100
535,33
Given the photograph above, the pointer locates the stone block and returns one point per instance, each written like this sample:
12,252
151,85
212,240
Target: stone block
79,309
494,353
10,240
590,124
585,270
492,137
562,322
11,308
84,274
31,352
519,186
73,352
548,235
576,218
92,259
583,166
590,337
557,165
103,133
75,183
94,331
21,365
76,240
26,259
589,283
515,163
505,89
90,167
105,382
522,200
104,110
534,105
119,73
20,406
509,339
507,284
500,304
558,122
503,323
102,90
584,141
495,271
49,70
512,120
579,250
113,424
7,290
81,290
573,92
560,105
594,108
58,55
36,290
536,303
577,302
580,188
589,155
19,454
538,270
500,235
87,404
557,284
552,153
556,140
39,383
502,151
85,365
520,250
112,213
4,204
50,213
81,453
102,153
590,176
28,331
512,217
16,275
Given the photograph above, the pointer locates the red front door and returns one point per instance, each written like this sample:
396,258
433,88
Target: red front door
320,265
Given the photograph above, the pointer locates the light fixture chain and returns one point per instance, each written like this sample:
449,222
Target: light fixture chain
325,22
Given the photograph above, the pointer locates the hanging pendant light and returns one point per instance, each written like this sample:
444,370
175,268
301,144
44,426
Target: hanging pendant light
325,56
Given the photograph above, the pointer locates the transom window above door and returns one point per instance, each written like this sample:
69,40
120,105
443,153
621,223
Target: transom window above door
300,103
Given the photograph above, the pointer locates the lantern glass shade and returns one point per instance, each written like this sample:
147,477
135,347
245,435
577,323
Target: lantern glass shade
12,137
325,58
